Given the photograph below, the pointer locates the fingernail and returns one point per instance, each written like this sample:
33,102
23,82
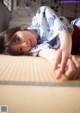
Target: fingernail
58,74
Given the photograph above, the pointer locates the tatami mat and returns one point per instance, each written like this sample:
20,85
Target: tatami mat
26,70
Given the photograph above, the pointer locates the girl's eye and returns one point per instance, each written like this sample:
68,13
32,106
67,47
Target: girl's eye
17,39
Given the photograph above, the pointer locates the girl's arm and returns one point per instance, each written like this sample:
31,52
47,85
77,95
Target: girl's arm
60,56
65,41
64,52
72,68
48,54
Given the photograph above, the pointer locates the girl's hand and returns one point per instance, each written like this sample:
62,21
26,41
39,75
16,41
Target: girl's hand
60,62
72,70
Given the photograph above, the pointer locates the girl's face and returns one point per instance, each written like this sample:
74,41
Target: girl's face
23,42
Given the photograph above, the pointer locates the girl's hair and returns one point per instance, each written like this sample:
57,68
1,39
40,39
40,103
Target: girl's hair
6,39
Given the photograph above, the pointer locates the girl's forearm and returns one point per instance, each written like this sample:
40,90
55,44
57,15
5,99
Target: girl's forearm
48,54
66,41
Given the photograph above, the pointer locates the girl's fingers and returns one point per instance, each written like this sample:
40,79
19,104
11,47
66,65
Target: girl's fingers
64,60
71,70
57,59
59,73
60,63
76,62
77,66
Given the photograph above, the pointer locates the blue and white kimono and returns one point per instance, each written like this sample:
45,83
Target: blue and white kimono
48,25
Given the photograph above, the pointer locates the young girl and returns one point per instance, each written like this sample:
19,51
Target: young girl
49,37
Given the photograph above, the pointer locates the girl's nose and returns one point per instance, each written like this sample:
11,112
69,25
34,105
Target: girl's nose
24,44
